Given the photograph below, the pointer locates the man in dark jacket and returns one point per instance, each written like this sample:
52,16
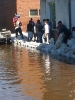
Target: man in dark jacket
63,29
39,28
30,31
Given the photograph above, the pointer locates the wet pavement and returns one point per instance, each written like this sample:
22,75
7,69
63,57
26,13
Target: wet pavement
27,74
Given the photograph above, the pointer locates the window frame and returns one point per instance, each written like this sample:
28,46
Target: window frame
33,10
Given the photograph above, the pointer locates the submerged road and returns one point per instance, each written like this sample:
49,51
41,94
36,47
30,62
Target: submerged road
27,74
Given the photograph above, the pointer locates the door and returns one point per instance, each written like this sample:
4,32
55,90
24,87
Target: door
53,15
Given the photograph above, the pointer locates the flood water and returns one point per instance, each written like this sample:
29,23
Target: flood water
27,74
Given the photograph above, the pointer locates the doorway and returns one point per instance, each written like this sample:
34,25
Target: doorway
53,15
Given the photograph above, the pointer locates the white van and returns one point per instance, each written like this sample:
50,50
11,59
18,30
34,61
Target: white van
5,36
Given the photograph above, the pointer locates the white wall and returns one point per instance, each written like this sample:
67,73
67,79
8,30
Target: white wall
62,11
72,13
42,9
47,10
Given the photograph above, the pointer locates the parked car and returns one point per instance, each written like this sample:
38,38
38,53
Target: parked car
5,36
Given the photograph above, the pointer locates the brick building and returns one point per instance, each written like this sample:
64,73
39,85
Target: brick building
26,8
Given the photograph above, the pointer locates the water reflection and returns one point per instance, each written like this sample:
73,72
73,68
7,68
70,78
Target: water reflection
26,74
31,75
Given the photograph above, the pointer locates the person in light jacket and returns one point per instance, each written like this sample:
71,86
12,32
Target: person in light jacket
46,32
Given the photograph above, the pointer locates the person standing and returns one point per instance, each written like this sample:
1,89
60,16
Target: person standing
43,25
30,29
39,31
50,28
35,33
32,22
18,29
46,33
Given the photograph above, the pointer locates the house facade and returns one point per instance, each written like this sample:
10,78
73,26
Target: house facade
26,8
58,10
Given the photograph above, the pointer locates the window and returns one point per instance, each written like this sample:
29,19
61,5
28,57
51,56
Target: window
34,12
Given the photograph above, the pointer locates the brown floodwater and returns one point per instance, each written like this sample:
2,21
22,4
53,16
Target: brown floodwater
27,74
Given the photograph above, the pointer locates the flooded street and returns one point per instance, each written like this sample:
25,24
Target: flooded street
26,74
